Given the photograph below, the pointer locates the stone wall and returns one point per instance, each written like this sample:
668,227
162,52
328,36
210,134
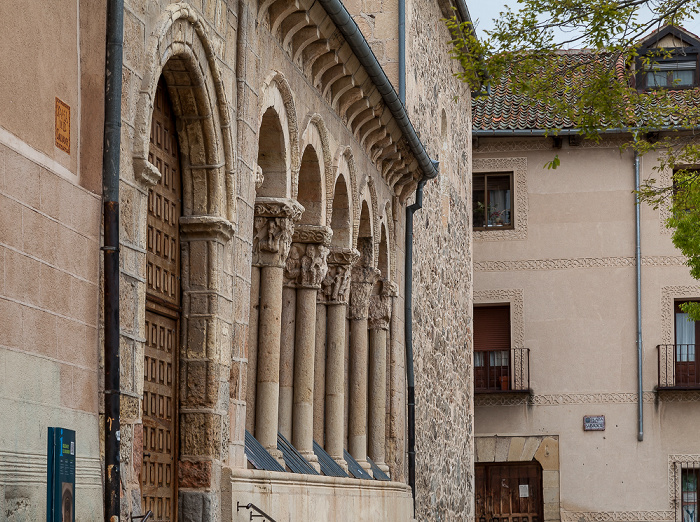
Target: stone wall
442,282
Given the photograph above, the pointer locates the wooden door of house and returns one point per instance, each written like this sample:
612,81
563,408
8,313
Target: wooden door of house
509,492
686,360
160,368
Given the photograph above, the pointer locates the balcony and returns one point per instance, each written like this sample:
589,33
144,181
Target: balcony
502,371
678,367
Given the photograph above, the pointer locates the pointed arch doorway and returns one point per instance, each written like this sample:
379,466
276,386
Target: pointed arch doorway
160,400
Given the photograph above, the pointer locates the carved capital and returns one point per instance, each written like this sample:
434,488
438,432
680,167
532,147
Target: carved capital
273,229
336,284
306,265
363,279
380,306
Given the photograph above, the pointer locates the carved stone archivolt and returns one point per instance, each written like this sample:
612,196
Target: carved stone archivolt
336,285
306,265
380,306
273,230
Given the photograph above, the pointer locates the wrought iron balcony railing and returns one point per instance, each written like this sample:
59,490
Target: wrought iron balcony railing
498,371
679,368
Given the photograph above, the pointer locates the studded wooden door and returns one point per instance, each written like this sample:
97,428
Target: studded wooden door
160,415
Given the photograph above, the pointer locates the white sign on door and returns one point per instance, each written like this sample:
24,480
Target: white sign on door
524,491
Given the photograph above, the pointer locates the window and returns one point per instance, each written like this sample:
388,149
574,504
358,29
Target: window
492,348
671,74
686,364
689,494
492,200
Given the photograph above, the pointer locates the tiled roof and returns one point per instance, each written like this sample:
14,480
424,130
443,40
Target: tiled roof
505,110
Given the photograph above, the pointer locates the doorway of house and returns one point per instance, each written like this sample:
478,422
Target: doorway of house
509,492
160,368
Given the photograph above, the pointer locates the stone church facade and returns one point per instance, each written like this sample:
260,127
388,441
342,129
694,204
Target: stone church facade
264,181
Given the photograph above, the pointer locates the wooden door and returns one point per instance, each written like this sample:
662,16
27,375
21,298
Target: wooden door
160,411
509,492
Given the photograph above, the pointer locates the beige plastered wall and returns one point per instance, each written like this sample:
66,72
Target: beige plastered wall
49,248
570,261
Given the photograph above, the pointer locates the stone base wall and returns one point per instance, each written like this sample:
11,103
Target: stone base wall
305,497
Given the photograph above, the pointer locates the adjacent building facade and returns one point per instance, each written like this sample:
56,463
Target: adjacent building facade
265,173
559,435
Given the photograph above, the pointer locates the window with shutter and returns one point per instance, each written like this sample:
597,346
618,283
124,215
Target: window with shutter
492,348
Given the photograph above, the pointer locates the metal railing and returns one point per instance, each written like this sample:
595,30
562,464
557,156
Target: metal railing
678,367
497,371
259,513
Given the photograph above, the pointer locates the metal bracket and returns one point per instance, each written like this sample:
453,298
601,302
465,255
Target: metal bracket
143,518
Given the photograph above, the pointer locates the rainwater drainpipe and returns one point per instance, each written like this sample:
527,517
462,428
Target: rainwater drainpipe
638,259
408,334
110,190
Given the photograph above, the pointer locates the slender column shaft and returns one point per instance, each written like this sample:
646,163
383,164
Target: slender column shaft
289,296
269,356
377,396
252,348
357,422
335,381
320,374
304,371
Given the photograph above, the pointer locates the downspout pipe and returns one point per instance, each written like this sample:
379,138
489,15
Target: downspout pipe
638,263
110,191
408,335
402,51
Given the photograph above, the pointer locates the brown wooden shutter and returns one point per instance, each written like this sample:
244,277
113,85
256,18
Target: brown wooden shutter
492,328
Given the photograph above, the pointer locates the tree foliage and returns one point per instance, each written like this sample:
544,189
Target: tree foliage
599,93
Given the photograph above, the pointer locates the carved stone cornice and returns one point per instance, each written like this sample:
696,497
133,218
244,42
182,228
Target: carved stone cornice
336,284
273,230
206,227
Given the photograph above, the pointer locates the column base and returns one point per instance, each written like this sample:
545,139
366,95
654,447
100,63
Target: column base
383,467
277,455
365,465
340,460
312,459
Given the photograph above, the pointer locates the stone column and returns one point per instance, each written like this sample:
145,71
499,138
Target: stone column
320,371
379,317
289,304
312,242
336,289
272,238
363,279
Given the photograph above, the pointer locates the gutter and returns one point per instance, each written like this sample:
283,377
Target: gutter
348,28
485,133
110,190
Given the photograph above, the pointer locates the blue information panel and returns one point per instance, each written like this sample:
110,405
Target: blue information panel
60,476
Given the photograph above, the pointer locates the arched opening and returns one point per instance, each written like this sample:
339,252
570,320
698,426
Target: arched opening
365,230
310,189
163,307
272,157
341,217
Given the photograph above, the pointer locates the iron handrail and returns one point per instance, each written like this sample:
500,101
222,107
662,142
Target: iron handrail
252,507
513,376
677,367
